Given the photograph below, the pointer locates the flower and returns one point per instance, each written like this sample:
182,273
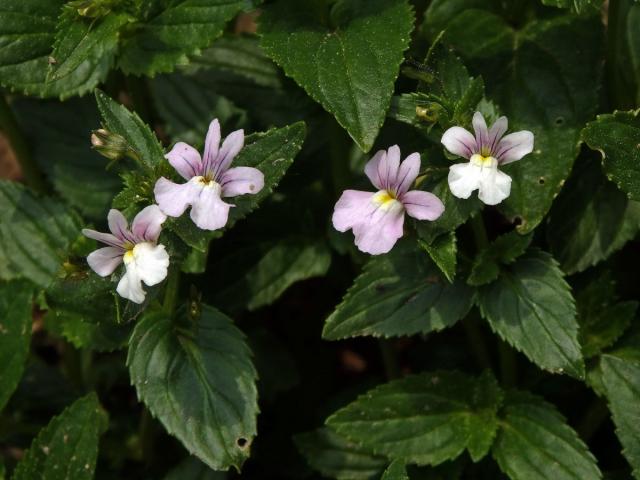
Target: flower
485,152
208,179
377,218
144,260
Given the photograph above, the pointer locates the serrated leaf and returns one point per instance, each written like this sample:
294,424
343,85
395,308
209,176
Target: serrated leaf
400,293
197,378
443,251
67,448
346,59
335,457
27,34
271,270
603,319
117,119
578,6
272,153
621,378
182,29
530,306
58,134
15,334
35,233
503,250
425,419
85,45
617,136
99,334
534,441
590,220
396,471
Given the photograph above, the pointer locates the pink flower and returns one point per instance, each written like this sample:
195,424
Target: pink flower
208,179
144,260
377,218
485,152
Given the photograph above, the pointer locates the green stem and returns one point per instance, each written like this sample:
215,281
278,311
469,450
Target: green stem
171,291
389,360
508,364
596,413
9,125
476,341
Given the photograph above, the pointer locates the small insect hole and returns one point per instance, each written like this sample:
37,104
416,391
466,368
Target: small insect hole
541,180
559,121
242,442
517,221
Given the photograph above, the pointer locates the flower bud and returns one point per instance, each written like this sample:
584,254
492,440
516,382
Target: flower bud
111,145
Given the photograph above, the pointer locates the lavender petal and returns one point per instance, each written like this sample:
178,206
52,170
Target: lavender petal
241,180
514,146
422,205
459,142
407,174
185,159
147,224
211,147
105,260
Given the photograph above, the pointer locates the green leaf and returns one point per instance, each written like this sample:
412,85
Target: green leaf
272,153
621,378
617,136
335,457
168,38
15,334
58,134
534,441
443,251
27,35
97,335
193,469
603,319
425,419
197,378
400,293
590,220
117,119
35,233
530,306
578,6
547,66
346,59
396,471
84,45
67,448
187,108
271,270
503,250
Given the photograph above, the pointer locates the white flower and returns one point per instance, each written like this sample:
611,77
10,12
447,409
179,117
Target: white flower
144,260
485,152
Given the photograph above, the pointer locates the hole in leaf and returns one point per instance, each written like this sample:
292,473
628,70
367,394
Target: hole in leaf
541,180
242,442
559,121
517,221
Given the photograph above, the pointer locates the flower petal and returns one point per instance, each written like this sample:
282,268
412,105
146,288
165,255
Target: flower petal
119,225
130,285
371,169
514,146
381,231
208,211
211,146
185,159
105,238
495,186
151,262
422,205
463,179
496,132
172,198
482,133
241,180
230,148
351,209
105,260
147,224
407,173
459,142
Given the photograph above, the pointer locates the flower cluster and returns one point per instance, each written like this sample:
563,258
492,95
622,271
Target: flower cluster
208,180
377,218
